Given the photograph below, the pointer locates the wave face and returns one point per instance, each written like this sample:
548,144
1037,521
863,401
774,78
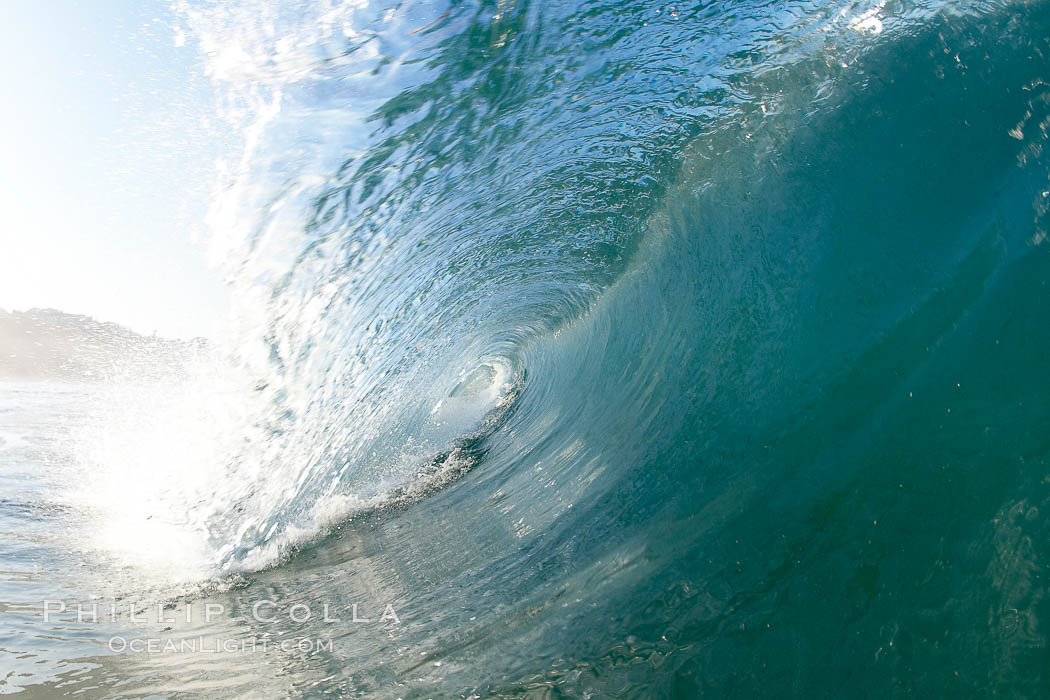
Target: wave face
721,327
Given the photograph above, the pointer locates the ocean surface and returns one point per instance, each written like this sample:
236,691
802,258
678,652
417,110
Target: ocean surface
590,349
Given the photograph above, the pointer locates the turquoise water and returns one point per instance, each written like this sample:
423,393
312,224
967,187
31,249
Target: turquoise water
624,351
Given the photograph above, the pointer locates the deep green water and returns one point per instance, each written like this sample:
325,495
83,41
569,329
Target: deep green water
737,313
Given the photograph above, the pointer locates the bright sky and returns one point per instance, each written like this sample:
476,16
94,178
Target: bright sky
107,140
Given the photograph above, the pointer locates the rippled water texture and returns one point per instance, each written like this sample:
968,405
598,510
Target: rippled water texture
626,350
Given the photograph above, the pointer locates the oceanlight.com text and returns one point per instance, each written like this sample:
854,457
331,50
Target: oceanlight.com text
206,645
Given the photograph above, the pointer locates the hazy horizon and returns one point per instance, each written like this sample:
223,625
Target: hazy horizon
101,320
